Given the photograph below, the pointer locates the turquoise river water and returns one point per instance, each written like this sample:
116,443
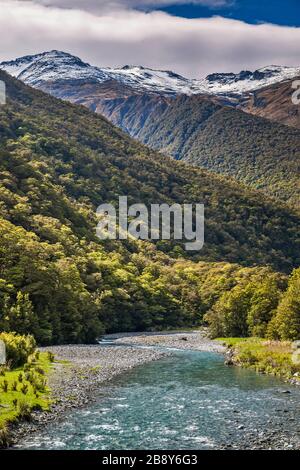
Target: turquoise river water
189,400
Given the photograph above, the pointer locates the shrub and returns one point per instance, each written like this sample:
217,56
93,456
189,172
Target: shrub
24,389
270,357
29,377
18,348
40,370
51,356
37,407
4,386
4,437
14,386
24,410
40,385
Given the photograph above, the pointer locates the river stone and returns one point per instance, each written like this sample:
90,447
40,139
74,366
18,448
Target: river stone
2,353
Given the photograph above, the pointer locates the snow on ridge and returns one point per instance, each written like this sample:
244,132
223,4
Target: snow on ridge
251,81
57,65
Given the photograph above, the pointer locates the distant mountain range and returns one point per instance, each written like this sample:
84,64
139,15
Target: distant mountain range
53,66
127,95
215,123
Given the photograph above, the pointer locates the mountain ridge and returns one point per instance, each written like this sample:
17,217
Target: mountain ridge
58,65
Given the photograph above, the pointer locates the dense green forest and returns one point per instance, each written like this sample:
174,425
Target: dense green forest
58,162
200,130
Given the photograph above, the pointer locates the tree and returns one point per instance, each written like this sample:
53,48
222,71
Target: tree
286,323
228,317
21,316
264,302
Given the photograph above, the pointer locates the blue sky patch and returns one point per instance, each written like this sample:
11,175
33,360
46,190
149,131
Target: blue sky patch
281,12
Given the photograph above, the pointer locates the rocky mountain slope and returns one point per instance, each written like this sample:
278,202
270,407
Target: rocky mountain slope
274,102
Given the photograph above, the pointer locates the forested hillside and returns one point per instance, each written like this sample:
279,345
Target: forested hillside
263,154
58,162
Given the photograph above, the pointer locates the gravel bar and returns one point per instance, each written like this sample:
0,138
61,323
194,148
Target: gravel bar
194,340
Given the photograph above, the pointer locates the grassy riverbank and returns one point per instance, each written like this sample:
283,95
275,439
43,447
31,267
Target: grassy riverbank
269,357
23,390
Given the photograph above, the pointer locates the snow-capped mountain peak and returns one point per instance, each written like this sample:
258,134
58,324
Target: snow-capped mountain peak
49,66
246,80
55,66
60,66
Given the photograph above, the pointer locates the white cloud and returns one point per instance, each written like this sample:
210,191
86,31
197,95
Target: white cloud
192,47
102,5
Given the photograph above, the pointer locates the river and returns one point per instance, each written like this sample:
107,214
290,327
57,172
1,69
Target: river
189,400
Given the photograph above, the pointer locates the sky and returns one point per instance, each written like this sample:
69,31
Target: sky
193,38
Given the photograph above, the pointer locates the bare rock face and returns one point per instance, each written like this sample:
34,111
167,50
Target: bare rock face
274,103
